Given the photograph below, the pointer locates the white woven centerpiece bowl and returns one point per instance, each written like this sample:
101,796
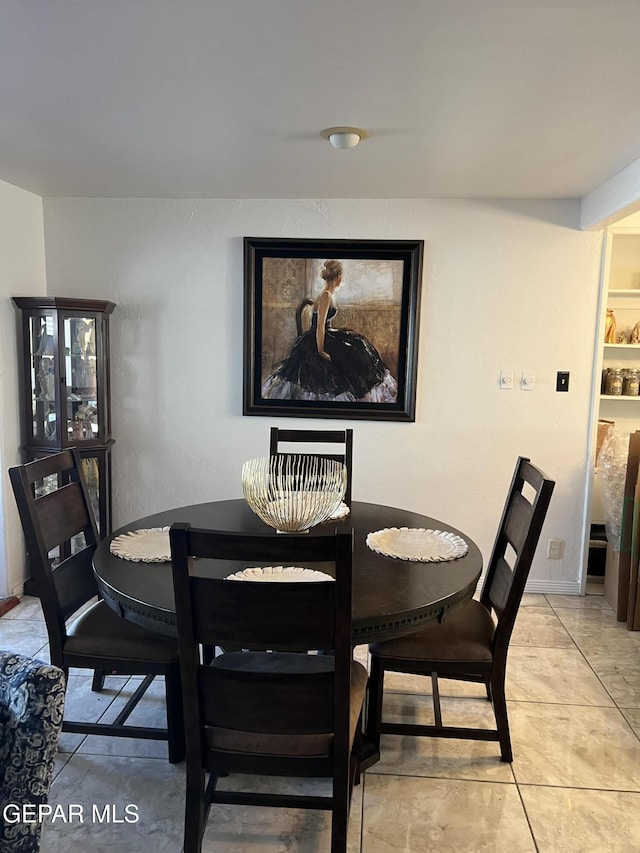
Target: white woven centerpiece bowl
293,492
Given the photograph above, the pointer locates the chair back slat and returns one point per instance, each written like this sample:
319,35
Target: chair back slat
501,584
515,545
75,582
287,616
254,548
61,515
517,523
48,466
319,436
304,700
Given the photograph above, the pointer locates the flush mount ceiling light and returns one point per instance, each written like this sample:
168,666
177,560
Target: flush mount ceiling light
344,137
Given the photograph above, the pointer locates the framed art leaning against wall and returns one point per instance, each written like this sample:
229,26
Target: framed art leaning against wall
331,328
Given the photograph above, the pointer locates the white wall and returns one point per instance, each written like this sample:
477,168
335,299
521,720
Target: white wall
506,285
22,273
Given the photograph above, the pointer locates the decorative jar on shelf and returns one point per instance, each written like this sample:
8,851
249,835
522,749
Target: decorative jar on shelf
613,382
631,383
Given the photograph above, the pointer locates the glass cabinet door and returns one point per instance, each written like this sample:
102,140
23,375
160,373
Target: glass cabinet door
81,379
43,377
91,466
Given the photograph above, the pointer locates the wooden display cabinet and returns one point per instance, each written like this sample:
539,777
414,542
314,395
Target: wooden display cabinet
65,388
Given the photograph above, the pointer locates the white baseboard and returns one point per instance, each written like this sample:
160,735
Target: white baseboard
18,589
553,587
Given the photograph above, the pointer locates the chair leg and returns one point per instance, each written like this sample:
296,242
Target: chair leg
98,680
339,823
502,720
340,814
175,715
195,811
435,692
356,752
374,706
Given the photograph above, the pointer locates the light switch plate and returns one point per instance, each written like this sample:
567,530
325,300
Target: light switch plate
506,380
562,380
528,380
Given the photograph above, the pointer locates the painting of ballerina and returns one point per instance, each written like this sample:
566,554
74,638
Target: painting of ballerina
331,328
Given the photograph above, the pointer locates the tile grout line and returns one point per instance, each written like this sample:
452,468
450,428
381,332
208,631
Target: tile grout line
527,818
586,660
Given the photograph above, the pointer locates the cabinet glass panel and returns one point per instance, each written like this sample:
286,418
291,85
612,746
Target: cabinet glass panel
81,378
91,472
43,379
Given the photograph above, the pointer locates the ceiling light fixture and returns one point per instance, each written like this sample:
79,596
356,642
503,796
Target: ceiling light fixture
344,137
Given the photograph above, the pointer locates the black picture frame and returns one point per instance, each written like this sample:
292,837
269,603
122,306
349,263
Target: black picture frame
376,325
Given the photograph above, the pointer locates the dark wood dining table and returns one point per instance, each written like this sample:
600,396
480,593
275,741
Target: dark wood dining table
391,597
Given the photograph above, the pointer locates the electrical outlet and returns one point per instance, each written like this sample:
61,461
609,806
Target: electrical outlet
555,549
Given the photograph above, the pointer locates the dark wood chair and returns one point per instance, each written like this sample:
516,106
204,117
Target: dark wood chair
298,437
469,645
61,536
280,713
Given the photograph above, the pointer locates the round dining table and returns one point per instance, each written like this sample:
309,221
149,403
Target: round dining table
391,597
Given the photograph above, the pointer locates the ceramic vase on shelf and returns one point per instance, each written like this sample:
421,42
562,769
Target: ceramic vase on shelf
610,327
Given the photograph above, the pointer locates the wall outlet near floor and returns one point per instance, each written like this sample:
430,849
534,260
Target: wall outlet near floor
555,549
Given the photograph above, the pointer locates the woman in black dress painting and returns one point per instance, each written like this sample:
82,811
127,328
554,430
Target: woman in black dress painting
331,364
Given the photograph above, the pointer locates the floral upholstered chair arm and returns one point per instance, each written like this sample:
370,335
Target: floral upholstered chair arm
31,709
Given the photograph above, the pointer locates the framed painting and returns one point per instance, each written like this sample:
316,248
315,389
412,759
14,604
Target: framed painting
331,328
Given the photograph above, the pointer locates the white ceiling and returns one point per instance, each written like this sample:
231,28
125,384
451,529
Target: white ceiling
227,98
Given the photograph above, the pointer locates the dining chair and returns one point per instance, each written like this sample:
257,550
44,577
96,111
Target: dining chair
469,645
325,437
274,713
31,708
61,536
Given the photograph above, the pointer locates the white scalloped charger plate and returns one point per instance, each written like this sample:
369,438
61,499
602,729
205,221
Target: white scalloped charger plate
342,512
417,544
279,573
143,546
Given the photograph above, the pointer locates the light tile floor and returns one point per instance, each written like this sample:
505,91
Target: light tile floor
573,688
